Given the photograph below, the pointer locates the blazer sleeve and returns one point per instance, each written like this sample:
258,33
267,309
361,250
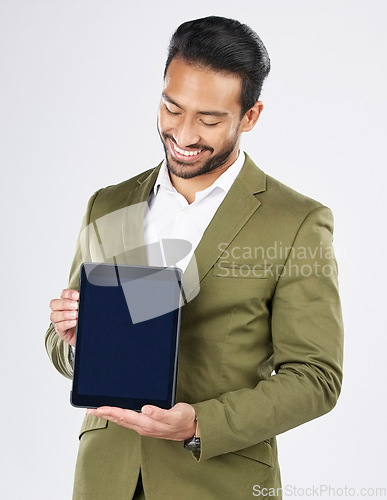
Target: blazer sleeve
59,351
307,335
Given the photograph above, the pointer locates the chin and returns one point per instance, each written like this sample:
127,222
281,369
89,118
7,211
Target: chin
182,170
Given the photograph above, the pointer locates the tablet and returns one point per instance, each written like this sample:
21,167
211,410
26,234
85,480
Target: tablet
127,336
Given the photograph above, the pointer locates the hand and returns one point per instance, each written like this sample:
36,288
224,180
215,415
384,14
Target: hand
176,424
64,314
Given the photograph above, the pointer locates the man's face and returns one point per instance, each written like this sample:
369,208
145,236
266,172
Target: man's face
199,119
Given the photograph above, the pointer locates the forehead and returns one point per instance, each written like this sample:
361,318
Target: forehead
202,88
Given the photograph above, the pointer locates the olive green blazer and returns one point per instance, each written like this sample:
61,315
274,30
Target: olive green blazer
260,349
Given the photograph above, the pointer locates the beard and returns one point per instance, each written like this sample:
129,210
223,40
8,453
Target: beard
188,171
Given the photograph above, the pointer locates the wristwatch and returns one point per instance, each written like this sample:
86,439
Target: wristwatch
193,445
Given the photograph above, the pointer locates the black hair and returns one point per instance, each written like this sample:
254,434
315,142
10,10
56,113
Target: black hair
224,45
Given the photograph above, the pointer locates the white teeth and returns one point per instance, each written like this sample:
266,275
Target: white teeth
186,153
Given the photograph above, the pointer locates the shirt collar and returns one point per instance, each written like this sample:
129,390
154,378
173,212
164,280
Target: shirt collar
223,182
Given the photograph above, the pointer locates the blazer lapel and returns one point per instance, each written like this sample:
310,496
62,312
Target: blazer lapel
233,213
133,219
238,206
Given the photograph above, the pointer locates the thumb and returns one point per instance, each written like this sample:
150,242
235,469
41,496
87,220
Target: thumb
153,412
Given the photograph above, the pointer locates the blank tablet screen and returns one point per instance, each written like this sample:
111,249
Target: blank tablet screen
127,336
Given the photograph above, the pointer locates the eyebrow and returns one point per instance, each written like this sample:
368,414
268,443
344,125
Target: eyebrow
206,113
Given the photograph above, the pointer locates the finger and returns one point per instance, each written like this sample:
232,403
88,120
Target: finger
155,413
117,415
62,327
132,420
113,412
142,423
58,316
63,305
67,293
174,416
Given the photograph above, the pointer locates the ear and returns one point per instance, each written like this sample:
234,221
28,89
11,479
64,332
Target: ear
251,117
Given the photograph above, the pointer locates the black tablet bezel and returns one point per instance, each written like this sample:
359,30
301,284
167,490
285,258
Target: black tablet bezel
81,400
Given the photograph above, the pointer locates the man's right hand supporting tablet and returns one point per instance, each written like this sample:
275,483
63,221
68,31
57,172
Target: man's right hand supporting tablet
64,314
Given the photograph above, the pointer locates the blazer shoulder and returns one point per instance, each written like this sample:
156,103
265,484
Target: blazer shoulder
117,196
120,191
272,191
291,209
282,206
289,198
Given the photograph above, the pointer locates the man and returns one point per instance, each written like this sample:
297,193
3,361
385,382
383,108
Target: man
261,341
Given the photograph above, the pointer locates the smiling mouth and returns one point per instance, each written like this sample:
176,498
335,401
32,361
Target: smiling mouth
184,152
185,155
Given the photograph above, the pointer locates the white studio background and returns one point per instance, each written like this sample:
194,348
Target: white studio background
79,88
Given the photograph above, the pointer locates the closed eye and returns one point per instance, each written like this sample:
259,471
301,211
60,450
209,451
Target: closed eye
169,111
210,124
176,113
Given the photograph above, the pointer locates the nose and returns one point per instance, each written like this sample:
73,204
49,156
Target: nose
186,132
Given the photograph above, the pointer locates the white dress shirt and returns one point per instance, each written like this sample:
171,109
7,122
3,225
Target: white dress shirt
170,216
